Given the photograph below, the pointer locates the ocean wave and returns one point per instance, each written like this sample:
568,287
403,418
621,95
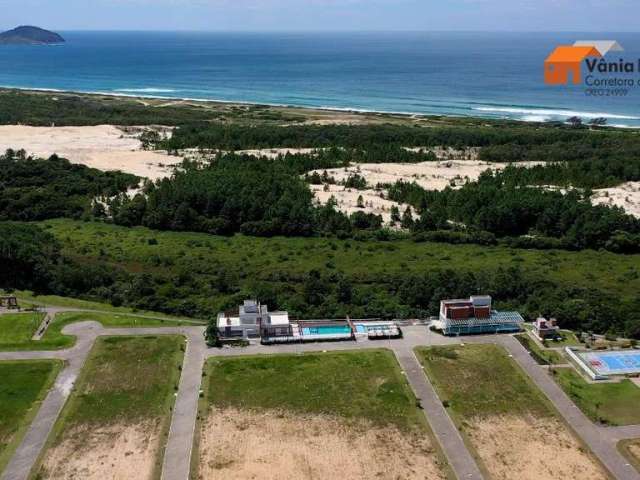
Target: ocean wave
554,113
146,90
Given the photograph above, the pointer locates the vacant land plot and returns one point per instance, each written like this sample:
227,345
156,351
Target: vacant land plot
22,386
16,329
510,426
312,416
611,403
117,417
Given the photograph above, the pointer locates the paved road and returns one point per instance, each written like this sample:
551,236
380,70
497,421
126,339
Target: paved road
26,454
601,440
460,460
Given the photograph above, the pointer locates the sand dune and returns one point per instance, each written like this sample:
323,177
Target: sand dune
104,147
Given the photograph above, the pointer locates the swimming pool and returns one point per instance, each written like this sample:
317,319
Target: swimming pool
327,330
613,363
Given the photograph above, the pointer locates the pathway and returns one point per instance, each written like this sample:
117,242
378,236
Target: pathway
176,464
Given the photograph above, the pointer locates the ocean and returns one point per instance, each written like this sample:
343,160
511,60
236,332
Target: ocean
492,75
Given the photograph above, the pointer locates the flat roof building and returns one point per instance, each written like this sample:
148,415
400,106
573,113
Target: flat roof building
475,316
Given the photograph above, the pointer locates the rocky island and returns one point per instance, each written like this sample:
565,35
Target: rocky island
26,35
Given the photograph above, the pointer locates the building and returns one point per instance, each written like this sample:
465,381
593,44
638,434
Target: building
9,301
475,316
252,320
543,328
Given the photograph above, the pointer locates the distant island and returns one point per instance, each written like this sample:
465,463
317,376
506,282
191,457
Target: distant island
26,35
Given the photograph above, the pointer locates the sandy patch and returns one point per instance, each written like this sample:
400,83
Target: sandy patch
626,196
634,449
104,147
108,453
347,199
240,445
531,449
429,175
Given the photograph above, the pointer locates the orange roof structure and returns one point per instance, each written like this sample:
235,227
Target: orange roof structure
572,54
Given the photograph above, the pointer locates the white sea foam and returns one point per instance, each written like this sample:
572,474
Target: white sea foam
554,113
146,90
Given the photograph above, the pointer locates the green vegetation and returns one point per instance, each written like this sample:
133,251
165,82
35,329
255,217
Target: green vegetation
127,381
23,386
568,339
363,384
16,329
610,403
36,189
507,206
480,381
540,355
54,339
199,275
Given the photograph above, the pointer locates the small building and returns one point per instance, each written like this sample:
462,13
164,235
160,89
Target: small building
9,301
544,329
475,316
249,320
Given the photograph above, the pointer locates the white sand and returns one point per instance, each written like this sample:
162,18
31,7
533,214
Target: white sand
626,196
240,445
347,199
429,175
105,453
515,447
104,147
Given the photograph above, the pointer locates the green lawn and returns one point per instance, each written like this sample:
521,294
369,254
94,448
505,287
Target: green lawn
16,329
126,381
481,380
568,340
540,355
54,338
612,403
364,384
23,385
28,299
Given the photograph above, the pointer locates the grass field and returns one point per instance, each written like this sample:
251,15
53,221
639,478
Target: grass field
29,299
611,403
16,329
310,416
499,386
352,384
510,427
569,339
540,355
121,407
22,386
54,339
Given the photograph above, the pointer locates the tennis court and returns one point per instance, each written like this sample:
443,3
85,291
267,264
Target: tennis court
612,363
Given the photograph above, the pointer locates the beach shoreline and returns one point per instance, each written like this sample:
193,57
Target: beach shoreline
530,116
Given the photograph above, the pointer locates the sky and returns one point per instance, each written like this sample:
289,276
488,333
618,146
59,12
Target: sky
321,15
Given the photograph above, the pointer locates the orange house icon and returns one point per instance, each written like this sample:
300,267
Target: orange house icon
564,64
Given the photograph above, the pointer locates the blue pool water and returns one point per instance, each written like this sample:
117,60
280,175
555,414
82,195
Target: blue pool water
494,75
327,330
